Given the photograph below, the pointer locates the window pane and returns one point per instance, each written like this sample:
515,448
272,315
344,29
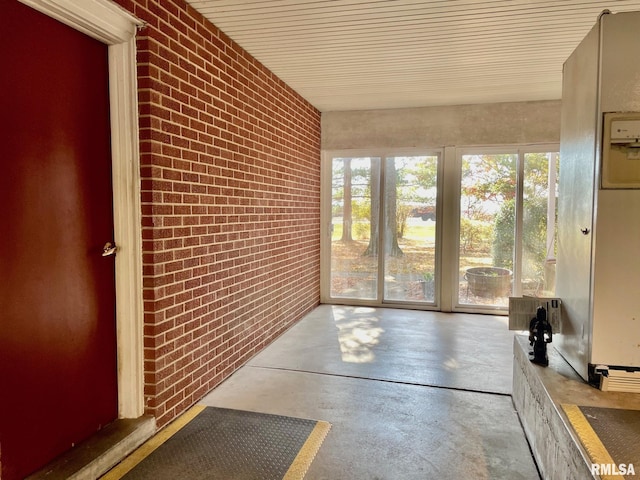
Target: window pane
354,227
539,221
410,228
487,226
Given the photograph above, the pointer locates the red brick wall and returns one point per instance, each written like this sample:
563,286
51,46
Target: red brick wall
231,202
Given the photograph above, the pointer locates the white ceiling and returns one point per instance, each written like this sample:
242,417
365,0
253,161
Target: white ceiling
367,54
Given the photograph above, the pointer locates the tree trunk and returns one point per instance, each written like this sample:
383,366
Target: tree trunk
374,182
391,209
391,232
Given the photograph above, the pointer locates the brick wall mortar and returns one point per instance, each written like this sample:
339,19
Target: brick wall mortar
230,192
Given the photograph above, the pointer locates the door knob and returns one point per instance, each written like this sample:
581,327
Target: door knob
109,249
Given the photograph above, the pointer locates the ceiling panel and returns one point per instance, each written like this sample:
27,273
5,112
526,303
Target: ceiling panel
362,54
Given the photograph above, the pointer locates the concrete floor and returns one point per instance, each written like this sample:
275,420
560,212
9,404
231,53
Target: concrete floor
410,395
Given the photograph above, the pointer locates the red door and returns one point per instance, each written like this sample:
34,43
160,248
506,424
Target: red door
58,379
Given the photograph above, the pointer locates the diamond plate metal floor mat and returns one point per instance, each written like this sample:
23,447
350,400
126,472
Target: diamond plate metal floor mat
611,437
218,443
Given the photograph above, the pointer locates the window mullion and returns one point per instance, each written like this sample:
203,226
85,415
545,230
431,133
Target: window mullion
517,254
382,227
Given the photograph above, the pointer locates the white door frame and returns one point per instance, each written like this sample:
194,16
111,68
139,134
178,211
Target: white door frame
107,22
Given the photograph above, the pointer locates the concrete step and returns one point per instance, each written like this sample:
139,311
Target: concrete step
538,395
101,452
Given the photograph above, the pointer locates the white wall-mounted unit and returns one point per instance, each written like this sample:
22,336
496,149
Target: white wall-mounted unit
598,269
621,150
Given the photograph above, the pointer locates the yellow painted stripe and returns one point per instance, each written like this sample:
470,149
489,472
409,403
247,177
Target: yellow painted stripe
307,453
152,444
589,439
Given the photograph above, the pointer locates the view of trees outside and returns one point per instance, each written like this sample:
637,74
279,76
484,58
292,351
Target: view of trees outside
487,227
540,217
487,213
409,227
354,236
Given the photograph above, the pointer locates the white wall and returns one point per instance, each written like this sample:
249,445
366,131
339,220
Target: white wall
486,124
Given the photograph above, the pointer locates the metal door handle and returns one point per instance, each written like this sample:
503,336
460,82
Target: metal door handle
109,249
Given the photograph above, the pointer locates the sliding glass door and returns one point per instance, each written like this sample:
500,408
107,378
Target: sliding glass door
409,230
383,219
538,241
355,194
507,219
487,213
